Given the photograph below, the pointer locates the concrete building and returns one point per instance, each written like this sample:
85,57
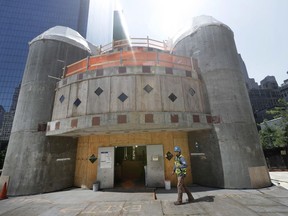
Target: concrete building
250,82
5,129
2,111
116,116
264,98
284,90
6,120
269,82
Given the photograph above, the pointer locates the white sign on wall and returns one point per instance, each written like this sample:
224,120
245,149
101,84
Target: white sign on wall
105,160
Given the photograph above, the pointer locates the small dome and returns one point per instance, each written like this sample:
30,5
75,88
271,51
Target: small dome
194,25
64,34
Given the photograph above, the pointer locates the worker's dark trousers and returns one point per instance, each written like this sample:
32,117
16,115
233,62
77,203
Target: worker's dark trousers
182,188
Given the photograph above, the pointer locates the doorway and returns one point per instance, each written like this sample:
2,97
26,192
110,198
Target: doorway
130,165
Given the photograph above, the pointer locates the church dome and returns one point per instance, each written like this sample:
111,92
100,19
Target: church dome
64,34
194,25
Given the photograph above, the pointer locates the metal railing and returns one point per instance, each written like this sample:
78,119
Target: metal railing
138,56
135,42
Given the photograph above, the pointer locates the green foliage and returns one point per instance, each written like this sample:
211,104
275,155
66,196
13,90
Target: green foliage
281,110
276,136
271,137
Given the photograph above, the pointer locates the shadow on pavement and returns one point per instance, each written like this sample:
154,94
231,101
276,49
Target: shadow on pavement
129,190
193,189
202,199
205,199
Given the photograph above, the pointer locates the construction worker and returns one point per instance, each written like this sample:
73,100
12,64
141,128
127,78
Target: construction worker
180,168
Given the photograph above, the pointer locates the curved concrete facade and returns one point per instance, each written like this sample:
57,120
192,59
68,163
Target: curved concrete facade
134,93
34,162
234,138
132,101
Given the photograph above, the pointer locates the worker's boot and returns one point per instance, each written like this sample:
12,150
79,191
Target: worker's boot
179,200
178,203
190,198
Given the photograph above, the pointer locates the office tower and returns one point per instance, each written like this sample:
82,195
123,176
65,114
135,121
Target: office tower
105,22
264,98
20,22
2,113
284,90
6,120
269,82
98,11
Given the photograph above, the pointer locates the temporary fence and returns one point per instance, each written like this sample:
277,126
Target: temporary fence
134,56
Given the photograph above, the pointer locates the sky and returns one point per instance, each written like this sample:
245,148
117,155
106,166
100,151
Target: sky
260,27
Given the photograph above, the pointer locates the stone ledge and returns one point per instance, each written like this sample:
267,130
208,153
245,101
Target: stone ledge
128,121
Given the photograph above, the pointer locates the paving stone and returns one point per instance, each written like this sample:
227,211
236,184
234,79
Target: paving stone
225,206
252,200
270,209
209,202
186,209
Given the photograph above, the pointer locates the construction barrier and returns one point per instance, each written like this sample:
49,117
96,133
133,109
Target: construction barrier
3,194
134,57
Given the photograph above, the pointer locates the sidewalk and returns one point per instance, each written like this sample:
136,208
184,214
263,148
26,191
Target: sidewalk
279,179
209,201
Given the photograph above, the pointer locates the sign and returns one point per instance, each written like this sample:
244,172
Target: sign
106,160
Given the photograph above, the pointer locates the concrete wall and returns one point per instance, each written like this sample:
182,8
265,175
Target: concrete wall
241,156
35,163
206,160
189,106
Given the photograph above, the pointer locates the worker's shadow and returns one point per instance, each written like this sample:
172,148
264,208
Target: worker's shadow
205,199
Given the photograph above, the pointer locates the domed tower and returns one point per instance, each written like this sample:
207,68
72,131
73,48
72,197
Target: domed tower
34,162
233,155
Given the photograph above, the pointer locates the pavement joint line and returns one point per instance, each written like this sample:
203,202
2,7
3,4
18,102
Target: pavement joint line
243,206
11,210
161,202
278,202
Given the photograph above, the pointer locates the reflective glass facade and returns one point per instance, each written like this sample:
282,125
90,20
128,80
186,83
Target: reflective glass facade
20,22
99,11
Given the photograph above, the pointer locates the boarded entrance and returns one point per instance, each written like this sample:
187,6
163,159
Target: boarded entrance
129,166
157,145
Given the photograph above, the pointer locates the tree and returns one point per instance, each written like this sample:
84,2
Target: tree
276,135
280,111
271,137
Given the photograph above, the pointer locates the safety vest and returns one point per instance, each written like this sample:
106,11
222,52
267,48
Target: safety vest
179,171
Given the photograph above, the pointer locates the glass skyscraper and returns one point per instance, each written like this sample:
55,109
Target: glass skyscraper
20,22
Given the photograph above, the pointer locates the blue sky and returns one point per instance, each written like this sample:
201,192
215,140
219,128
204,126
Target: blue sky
260,27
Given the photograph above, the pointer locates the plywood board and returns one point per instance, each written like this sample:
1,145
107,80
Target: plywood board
86,172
